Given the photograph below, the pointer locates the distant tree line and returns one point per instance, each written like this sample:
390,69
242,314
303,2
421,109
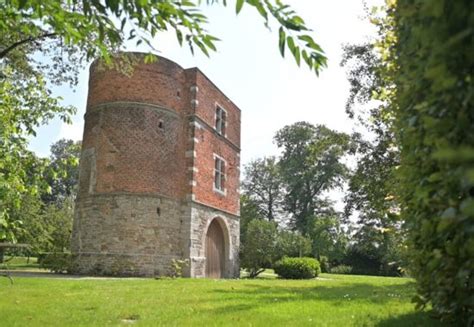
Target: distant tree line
285,200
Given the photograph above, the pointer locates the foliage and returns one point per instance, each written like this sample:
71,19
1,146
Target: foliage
57,262
63,173
248,211
106,26
378,240
177,266
292,244
46,228
26,103
338,300
324,263
262,184
327,235
373,251
341,269
434,43
258,251
297,268
310,165
47,217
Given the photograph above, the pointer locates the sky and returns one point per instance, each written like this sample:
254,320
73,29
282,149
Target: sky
271,91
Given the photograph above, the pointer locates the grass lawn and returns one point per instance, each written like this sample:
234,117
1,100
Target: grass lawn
332,300
21,263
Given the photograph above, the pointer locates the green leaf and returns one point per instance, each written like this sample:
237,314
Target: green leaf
281,41
239,5
297,55
291,44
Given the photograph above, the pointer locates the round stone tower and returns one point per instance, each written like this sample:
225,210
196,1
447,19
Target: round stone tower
139,205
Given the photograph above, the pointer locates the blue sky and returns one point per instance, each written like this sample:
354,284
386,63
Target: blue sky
271,91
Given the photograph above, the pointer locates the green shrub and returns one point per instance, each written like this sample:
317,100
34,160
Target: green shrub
434,119
324,263
57,262
341,269
258,250
177,267
297,268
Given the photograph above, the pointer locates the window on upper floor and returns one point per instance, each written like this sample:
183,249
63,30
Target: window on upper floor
219,174
221,120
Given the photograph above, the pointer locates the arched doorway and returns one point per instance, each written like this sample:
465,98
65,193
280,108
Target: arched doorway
215,251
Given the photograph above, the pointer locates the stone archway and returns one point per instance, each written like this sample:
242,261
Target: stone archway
215,250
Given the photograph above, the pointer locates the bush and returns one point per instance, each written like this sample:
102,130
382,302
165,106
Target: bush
324,263
57,262
434,120
297,268
341,269
258,250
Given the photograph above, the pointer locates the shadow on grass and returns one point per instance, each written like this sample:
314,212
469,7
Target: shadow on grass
378,296
411,319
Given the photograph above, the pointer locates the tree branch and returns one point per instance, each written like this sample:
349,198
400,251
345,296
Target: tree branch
5,51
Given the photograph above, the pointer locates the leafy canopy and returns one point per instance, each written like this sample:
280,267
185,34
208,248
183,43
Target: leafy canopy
98,28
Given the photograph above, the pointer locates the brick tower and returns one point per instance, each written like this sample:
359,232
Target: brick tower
159,174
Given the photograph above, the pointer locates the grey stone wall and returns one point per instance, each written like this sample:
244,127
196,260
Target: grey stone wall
139,235
201,218
124,234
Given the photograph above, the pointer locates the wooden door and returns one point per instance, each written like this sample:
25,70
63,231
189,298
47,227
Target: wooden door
214,251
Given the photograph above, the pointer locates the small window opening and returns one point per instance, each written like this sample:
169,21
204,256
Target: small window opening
221,118
160,124
219,174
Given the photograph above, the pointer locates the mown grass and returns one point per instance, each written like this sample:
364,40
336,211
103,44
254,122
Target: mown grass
20,263
334,300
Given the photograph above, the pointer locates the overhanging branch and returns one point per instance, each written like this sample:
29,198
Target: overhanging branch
5,51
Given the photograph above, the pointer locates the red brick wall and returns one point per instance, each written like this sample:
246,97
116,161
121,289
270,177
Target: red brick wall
133,154
208,96
210,143
156,83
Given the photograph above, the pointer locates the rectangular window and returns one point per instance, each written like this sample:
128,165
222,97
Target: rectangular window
221,117
219,174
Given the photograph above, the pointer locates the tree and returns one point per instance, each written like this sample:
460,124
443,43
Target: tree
310,165
248,211
63,173
379,239
374,251
98,28
258,250
262,184
291,244
328,237
426,73
373,184
65,35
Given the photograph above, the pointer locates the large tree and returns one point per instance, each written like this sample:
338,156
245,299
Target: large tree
262,184
311,164
378,238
